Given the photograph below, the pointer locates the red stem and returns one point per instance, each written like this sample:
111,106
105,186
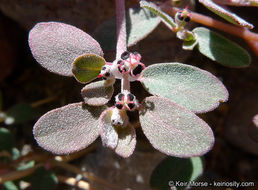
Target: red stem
208,21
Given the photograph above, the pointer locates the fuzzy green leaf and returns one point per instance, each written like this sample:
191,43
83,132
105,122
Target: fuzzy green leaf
139,24
20,113
97,93
6,139
220,49
172,170
87,67
188,86
43,179
154,9
227,15
173,129
68,129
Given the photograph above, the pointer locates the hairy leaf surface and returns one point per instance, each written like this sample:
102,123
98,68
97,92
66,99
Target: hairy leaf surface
68,129
173,129
55,45
188,86
227,15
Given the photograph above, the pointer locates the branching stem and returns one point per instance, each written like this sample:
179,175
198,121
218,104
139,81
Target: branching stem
208,21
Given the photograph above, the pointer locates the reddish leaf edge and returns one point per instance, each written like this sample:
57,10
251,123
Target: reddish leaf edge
202,121
53,150
53,22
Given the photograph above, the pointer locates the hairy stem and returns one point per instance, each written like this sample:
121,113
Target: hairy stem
125,83
121,28
208,21
121,39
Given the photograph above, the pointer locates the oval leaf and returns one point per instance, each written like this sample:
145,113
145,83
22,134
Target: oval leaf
188,86
174,130
87,67
97,93
139,24
121,139
55,46
173,170
68,129
220,49
227,15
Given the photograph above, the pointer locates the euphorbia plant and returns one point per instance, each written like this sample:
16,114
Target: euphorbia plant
167,118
